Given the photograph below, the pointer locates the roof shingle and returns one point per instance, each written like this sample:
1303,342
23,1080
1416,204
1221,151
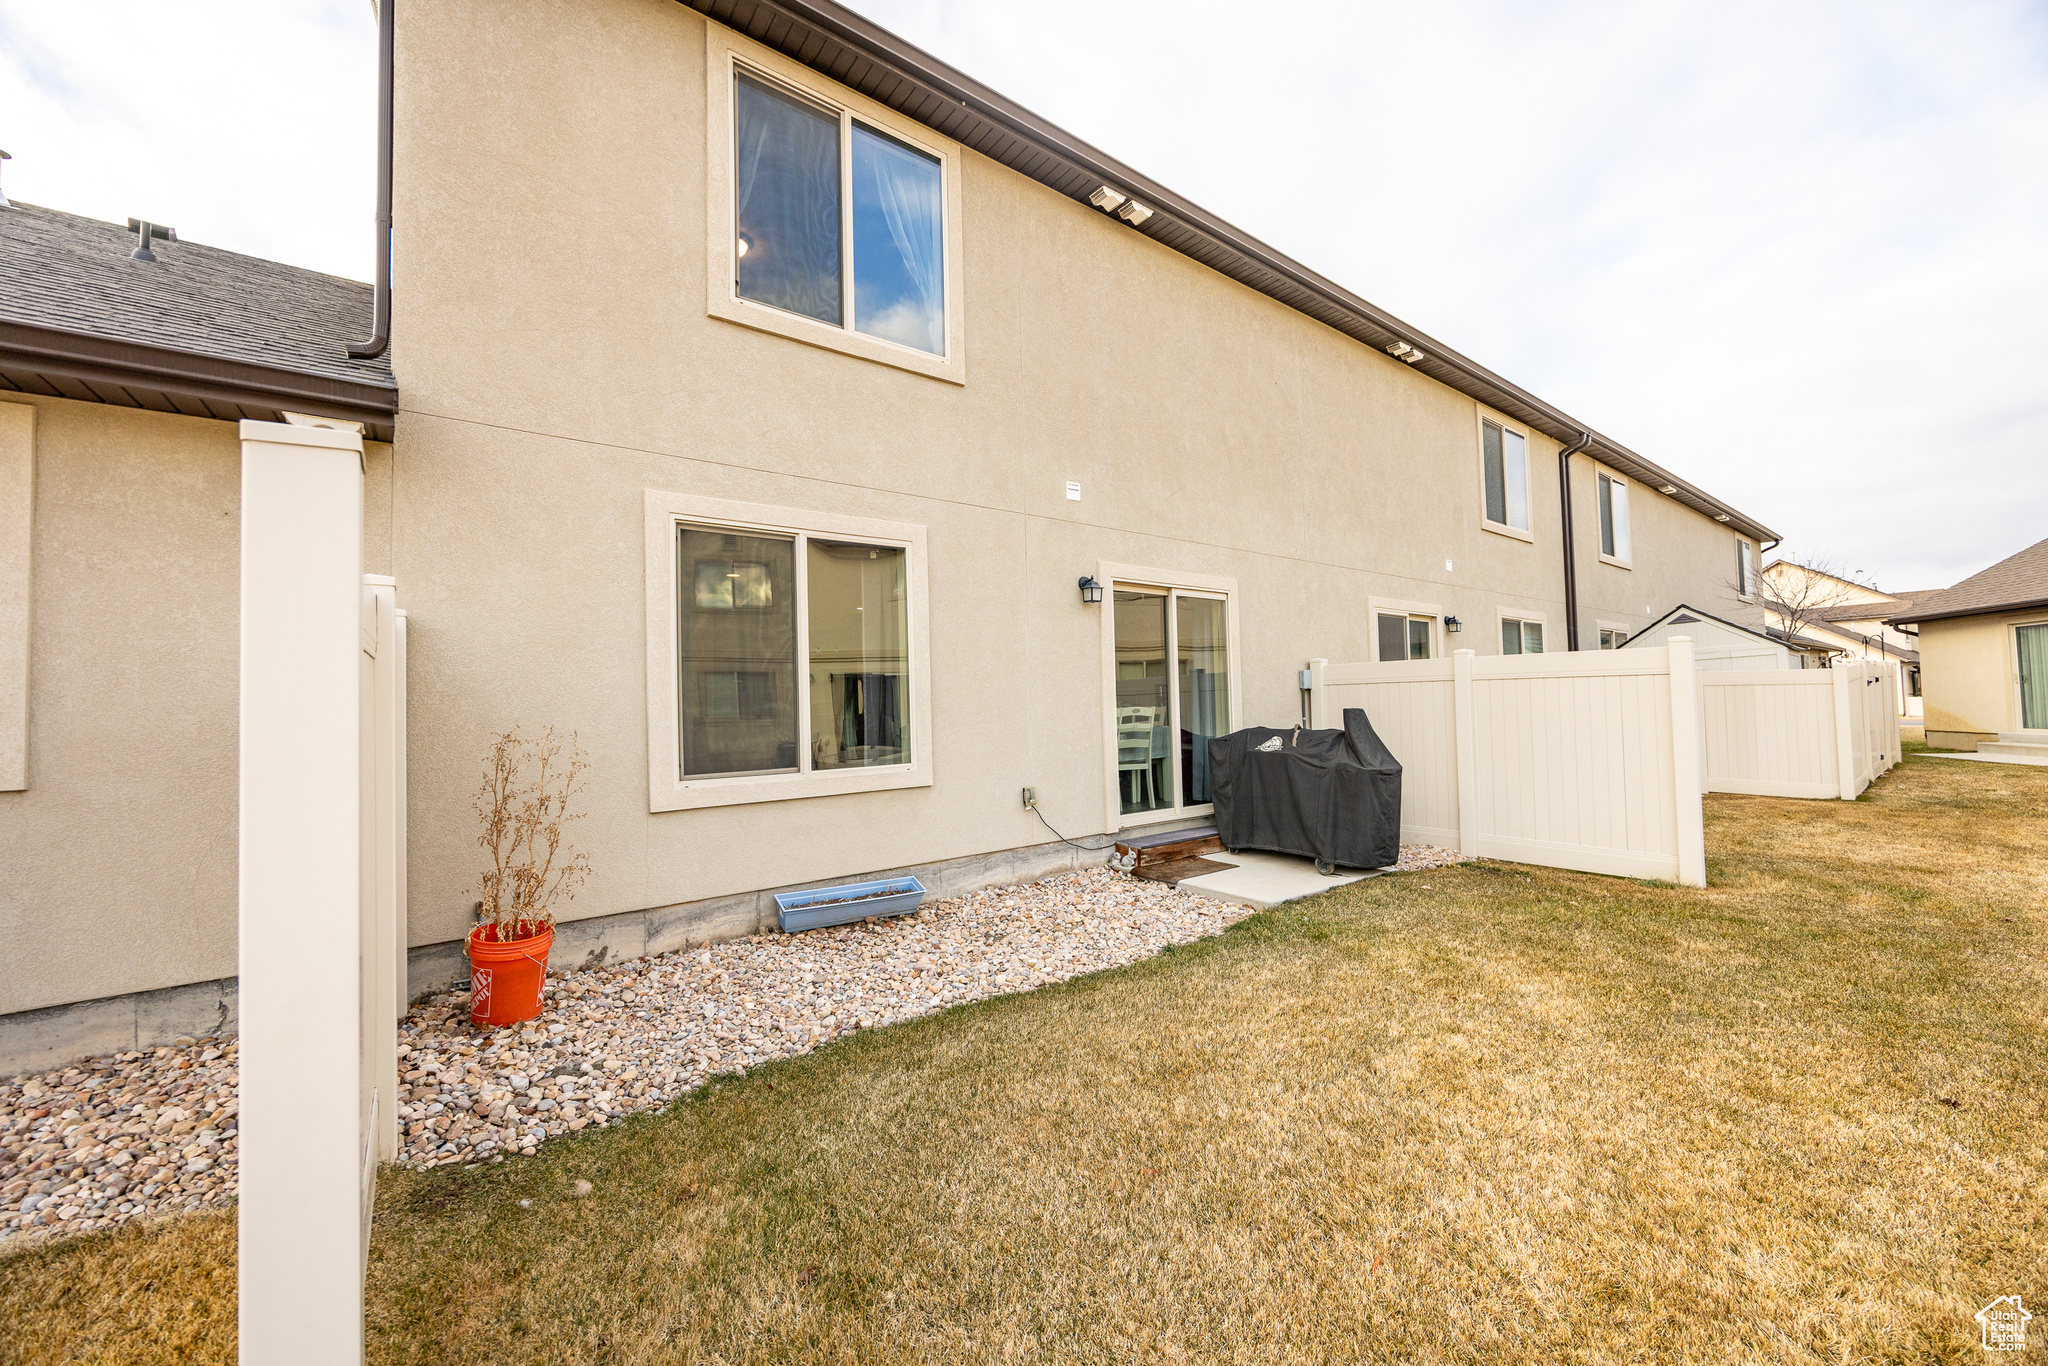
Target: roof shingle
2017,581
63,271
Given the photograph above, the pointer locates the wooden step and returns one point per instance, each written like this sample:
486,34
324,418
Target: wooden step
1174,854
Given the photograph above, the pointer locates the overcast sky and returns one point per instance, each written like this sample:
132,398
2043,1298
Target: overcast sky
1797,254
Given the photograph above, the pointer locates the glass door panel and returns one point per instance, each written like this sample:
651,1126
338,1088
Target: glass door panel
2033,641
1202,645
1144,758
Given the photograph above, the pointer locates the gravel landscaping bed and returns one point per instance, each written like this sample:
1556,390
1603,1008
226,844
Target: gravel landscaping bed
149,1133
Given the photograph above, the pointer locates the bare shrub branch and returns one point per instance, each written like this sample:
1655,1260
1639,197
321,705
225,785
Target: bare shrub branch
523,806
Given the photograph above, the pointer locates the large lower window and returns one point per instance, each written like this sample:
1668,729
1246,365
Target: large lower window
740,653
785,660
1172,695
809,179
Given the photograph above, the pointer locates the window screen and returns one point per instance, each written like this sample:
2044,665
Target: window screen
786,202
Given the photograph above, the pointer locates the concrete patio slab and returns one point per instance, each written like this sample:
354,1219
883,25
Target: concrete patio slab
1265,880
1989,758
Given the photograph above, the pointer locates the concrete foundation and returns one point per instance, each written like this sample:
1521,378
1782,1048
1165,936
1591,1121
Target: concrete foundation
38,1040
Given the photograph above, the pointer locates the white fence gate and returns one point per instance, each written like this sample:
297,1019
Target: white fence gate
1587,760
1800,732
322,890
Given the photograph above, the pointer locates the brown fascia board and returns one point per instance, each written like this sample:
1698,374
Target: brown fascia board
133,365
1986,610
841,45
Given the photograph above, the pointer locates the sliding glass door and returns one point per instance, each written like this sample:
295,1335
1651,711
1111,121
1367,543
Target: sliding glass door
1172,696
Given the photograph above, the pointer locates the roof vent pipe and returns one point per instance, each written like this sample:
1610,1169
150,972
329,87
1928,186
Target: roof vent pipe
144,230
1571,563
4,156
380,323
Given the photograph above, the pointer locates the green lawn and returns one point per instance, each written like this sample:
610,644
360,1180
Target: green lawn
1490,1113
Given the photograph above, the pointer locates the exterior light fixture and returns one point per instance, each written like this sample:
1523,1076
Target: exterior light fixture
1722,518
1668,490
1134,213
1106,199
1453,625
1091,591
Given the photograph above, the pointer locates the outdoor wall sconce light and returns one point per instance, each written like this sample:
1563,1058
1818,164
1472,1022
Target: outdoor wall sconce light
1453,625
1091,591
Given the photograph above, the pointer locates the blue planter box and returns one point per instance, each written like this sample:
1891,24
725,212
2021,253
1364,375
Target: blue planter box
850,901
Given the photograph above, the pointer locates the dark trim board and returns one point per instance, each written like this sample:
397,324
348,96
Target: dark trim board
56,363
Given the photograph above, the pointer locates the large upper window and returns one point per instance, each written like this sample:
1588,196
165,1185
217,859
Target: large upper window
1614,518
836,220
1504,458
786,653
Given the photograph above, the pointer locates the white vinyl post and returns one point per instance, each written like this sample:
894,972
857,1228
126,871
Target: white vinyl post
1845,729
1318,709
1467,759
1685,763
383,843
300,1219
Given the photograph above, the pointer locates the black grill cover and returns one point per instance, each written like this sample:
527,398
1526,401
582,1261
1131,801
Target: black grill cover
1333,795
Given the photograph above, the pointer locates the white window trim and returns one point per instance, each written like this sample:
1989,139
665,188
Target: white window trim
1434,611
1503,615
1486,415
1618,561
1110,575
667,789
725,52
1602,624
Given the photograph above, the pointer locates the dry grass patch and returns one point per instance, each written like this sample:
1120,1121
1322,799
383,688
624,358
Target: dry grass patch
1479,1113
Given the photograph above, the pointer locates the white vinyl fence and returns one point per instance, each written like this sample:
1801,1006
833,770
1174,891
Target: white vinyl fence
322,853
1587,760
1800,732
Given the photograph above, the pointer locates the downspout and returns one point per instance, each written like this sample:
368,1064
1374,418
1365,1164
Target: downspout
1571,562
380,323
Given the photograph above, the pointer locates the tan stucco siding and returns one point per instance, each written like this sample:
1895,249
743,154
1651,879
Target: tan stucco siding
1969,674
120,853
556,359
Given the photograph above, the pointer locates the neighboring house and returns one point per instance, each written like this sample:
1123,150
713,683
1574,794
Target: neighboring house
1725,645
1848,620
1984,651
703,324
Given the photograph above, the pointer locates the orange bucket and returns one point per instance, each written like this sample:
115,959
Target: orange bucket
505,978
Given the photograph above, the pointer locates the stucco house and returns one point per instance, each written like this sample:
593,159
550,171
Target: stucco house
760,392
1845,619
1984,655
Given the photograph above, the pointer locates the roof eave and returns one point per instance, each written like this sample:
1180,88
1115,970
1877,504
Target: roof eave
99,369
1989,609
819,33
